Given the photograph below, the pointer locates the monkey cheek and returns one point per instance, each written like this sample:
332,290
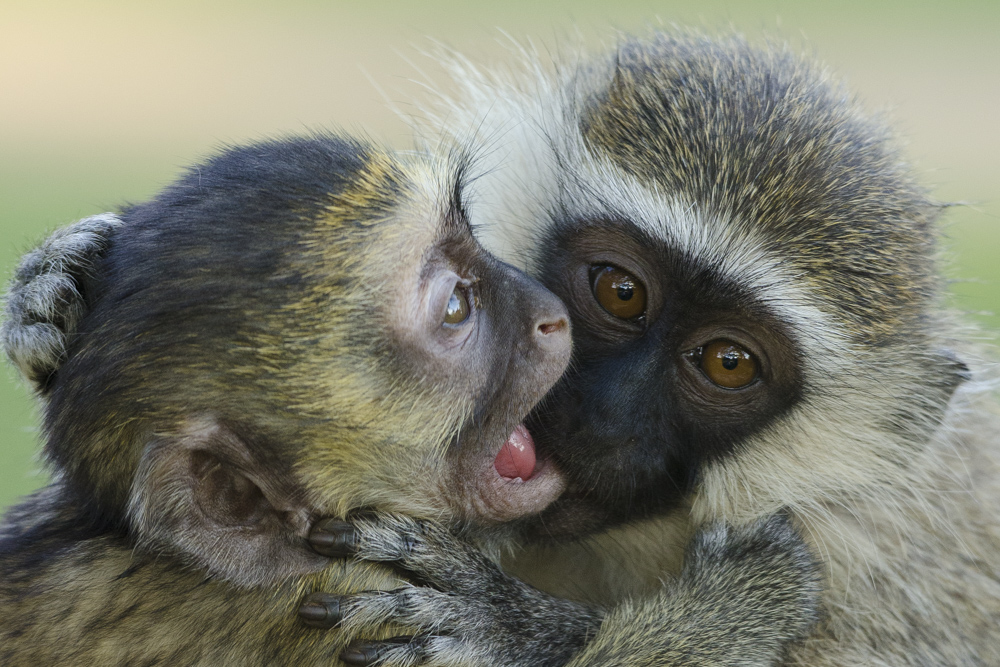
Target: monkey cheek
491,498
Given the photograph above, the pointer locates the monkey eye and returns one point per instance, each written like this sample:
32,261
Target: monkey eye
727,364
618,292
459,306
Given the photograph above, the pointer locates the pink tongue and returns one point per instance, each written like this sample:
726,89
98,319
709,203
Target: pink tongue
517,456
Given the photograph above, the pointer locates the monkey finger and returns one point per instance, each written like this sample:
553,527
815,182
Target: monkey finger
393,652
396,651
351,613
333,538
409,652
426,552
426,609
370,536
321,610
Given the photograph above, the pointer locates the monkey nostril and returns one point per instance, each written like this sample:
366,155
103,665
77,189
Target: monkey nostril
547,328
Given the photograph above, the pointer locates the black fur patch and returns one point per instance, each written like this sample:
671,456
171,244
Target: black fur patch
633,421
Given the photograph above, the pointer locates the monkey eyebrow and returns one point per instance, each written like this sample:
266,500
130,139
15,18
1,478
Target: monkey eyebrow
456,219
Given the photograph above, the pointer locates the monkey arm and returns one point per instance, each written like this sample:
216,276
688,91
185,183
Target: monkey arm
744,595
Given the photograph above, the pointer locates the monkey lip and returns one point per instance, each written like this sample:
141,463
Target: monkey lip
515,483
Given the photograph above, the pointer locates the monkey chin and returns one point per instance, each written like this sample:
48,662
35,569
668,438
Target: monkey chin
513,484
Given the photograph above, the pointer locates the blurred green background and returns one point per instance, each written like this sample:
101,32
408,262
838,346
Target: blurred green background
104,102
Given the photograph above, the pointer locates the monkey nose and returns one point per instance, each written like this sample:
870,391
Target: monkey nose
551,319
554,327
552,335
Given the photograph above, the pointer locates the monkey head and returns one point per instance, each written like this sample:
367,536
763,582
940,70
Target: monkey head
293,329
749,267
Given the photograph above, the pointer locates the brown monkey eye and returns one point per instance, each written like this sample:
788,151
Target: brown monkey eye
728,365
618,292
458,306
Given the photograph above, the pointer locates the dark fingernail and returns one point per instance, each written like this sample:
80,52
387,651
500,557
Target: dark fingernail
365,653
334,538
360,654
321,610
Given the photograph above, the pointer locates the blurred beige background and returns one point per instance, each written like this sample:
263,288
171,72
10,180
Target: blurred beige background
104,102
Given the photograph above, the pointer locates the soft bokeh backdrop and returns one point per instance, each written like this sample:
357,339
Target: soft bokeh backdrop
104,102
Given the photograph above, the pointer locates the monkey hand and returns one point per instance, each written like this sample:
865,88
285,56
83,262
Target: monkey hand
744,596
48,296
467,611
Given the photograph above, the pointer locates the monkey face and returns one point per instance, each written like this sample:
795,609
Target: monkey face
486,342
441,351
673,367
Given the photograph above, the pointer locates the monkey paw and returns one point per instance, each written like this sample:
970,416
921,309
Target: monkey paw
766,566
46,299
467,611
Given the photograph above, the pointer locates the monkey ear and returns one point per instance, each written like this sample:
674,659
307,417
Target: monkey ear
50,294
208,496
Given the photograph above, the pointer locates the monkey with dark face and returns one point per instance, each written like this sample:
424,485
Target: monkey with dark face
295,329
751,272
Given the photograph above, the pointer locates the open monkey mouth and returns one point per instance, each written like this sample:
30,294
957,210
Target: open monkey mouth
515,483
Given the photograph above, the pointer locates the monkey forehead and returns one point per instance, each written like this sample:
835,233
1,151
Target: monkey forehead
369,250
391,213
773,146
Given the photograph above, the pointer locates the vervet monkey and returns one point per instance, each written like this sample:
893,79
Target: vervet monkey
293,329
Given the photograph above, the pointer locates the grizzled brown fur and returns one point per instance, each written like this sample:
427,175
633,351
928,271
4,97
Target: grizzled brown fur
759,136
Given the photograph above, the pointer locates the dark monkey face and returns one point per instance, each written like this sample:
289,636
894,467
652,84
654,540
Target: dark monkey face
672,367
